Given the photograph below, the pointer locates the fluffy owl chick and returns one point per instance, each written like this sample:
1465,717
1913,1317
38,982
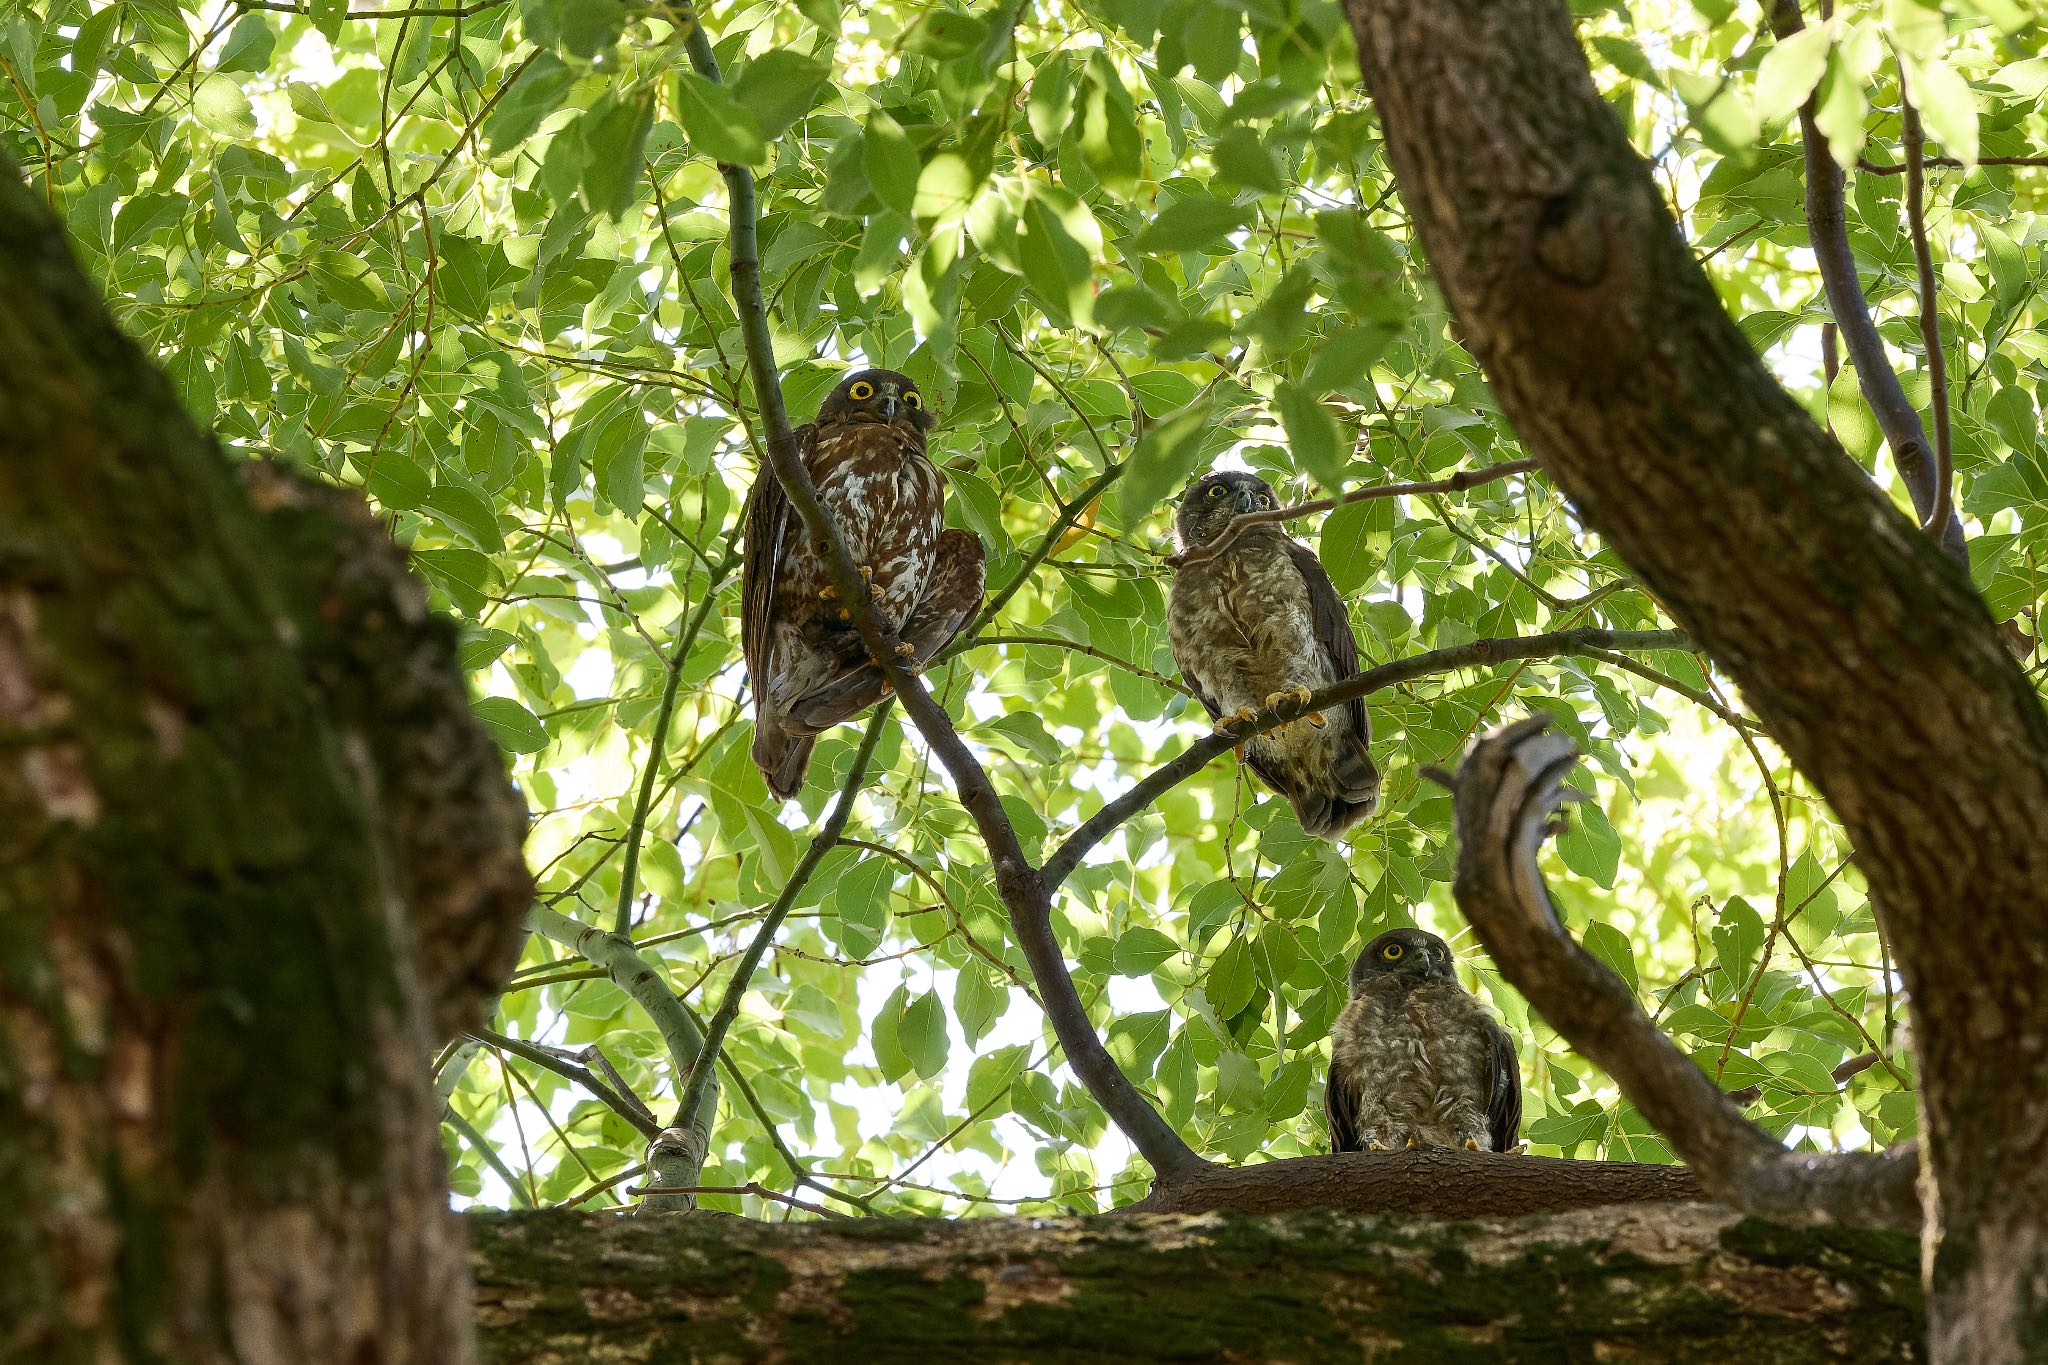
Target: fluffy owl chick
1259,621
808,669
1415,1059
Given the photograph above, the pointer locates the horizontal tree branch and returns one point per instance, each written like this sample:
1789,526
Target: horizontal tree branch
1948,162
1474,654
1507,791
1855,1066
1458,482
1680,1284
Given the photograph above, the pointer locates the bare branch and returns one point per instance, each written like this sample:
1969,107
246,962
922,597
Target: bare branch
1948,162
1458,482
1930,307
620,1101
755,1188
1855,1066
1508,791
1477,653
1827,226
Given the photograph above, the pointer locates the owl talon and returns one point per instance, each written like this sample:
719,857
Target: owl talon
1377,1147
1472,1145
827,593
845,615
1317,719
906,650
1414,1144
1297,695
1237,717
867,573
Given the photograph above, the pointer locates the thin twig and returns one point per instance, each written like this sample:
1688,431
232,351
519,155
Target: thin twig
821,843
1458,482
759,1191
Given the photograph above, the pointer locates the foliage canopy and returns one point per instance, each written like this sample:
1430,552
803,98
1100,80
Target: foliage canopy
472,259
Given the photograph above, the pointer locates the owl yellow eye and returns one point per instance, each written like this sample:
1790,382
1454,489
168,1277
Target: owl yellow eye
1215,490
861,392
1392,952
911,398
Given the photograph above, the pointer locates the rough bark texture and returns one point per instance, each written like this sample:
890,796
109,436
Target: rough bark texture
1668,1283
1430,1184
1855,639
220,969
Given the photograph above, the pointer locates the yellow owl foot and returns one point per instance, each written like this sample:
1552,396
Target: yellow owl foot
906,650
867,573
827,593
1472,1145
1297,695
1377,1147
1414,1144
1237,717
845,615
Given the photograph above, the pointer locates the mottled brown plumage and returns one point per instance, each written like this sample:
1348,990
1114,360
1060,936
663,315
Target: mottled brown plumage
1260,620
808,669
1415,1059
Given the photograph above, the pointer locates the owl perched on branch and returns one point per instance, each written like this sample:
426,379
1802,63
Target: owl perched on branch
809,671
1415,1059
1258,623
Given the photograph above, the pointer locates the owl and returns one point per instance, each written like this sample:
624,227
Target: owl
1415,1059
807,667
1258,624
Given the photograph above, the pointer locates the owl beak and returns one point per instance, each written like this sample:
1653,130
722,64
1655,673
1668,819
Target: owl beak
1248,500
889,403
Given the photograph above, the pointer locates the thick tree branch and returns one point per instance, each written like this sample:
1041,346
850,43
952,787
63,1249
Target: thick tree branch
1828,228
1589,641
1016,879
1678,1284
1859,643
1455,483
699,1079
1507,791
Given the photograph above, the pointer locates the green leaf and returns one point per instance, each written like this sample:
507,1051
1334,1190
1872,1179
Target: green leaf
532,98
1242,160
1231,979
717,126
1196,223
1738,939
992,1074
1947,106
1313,436
614,137
1790,71
1140,949
861,896
921,1030
516,729
1106,122
1355,543
248,47
1611,946
1589,845
891,163
1055,264
1166,455
778,88
223,110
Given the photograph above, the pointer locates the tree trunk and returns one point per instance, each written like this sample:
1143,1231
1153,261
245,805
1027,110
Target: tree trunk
1857,641
258,855
1669,1283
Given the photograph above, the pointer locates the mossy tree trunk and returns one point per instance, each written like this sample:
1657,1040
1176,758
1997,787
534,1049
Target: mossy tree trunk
258,857
1861,645
1670,1283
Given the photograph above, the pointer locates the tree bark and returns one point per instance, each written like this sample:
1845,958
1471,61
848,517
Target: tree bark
1671,1283
1856,640
257,856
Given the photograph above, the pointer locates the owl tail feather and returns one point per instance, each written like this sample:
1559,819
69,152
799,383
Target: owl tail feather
1358,792
783,757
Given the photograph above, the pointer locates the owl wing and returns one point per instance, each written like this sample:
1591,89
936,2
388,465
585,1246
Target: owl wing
770,519
1504,1100
1332,625
1341,1112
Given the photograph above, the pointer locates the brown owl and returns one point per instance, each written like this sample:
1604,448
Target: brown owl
808,668
1415,1059
1257,624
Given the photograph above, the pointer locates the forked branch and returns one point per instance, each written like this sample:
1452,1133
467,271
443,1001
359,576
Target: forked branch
1508,791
